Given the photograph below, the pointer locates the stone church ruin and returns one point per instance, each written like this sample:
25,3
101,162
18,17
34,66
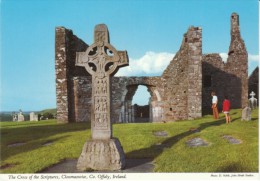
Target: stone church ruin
181,92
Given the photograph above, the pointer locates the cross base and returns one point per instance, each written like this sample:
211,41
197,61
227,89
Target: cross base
102,155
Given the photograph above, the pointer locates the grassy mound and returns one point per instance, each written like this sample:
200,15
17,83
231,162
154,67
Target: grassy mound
47,143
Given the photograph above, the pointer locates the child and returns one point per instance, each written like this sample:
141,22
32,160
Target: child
226,109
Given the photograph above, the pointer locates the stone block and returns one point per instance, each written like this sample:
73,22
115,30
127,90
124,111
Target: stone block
246,114
102,155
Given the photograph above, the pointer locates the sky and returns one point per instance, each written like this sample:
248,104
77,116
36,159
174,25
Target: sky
150,31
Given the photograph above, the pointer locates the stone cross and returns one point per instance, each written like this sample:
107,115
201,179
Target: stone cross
102,61
252,94
252,100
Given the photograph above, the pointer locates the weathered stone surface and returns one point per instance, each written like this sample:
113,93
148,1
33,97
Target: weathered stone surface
66,45
20,116
102,155
231,139
123,90
195,142
132,166
101,60
246,114
227,78
252,101
253,82
33,116
181,92
15,116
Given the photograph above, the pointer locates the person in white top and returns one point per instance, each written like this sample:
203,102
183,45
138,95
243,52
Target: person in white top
214,105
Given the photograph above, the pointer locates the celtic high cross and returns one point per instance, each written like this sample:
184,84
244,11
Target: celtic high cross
102,61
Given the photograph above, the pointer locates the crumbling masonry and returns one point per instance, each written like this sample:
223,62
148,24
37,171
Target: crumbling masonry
181,92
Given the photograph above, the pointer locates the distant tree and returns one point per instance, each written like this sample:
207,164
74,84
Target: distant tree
48,115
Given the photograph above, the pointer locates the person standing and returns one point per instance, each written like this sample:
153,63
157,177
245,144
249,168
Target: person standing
214,105
226,109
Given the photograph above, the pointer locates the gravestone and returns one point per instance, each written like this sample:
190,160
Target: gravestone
33,116
20,116
246,114
252,101
15,116
102,61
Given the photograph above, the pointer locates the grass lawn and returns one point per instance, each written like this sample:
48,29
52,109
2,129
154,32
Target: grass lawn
138,141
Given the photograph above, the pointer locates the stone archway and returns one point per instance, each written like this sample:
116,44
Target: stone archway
126,87
134,113
141,104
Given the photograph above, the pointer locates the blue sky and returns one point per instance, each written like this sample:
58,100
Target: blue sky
148,30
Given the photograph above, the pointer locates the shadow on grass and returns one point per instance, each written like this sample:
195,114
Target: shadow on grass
236,119
34,136
233,167
158,149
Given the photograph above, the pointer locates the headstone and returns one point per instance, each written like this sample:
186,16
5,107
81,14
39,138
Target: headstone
15,116
33,116
101,60
20,116
252,101
246,114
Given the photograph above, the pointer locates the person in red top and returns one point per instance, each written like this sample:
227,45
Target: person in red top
226,109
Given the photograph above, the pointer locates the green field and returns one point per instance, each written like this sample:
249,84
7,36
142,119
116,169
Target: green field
138,141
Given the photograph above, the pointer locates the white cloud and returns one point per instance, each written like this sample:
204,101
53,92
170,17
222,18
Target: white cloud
151,63
253,57
155,63
224,56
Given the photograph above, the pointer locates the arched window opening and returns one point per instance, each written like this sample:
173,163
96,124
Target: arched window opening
141,105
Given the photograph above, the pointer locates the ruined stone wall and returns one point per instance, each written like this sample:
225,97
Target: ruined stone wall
61,75
123,90
182,88
66,46
253,83
237,63
82,90
228,78
194,92
182,92
214,79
